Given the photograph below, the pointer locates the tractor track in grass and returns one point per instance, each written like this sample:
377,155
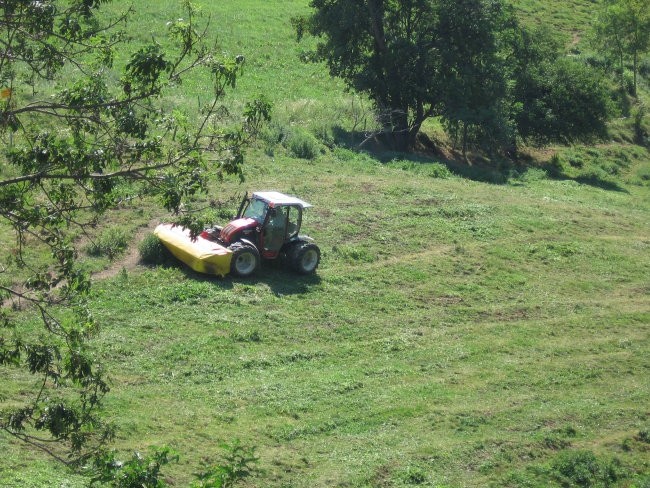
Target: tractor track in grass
414,257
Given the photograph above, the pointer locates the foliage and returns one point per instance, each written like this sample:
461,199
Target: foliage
82,136
470,62
238,463
640,126
152,250
472,71
111,242
417,346
302,144
385,49
138,472
622,29
584,469
489,319
561,101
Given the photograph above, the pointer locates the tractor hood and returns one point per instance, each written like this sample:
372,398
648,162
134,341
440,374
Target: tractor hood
234,228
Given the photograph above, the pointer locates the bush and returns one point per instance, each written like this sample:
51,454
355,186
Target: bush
562,101
110,243
239,462
644,68
555,166
641,132
325,135
303,144
628,82
274,133
139,471
152,251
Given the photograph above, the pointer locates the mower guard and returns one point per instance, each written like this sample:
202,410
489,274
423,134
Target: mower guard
201,254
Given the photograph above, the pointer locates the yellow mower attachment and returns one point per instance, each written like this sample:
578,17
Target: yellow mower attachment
200,254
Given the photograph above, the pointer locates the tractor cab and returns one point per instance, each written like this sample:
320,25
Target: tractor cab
269,222
277,217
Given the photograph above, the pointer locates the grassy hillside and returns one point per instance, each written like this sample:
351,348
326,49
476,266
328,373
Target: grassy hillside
457,331
468,326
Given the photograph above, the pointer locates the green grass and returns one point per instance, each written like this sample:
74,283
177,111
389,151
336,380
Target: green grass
468,326
459,331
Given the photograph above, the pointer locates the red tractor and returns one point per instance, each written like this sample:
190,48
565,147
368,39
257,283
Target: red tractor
267,226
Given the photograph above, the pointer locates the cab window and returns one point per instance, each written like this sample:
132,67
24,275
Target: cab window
275,229
293,223
256,209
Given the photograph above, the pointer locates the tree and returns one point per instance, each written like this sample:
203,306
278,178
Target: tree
622,29
80,139
555,98
469,62
473,74
561,101
386,49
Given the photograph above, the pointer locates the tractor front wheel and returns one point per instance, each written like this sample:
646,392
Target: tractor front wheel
245,259
304,257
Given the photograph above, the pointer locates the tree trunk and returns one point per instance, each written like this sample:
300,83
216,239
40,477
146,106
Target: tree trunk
399,128
634,70
465,140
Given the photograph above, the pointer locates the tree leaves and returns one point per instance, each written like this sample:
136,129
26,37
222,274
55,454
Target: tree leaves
464,61
74,153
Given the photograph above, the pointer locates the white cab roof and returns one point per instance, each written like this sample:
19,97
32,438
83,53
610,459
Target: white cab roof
277,198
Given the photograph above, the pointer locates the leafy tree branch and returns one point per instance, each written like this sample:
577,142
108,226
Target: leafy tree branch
72,154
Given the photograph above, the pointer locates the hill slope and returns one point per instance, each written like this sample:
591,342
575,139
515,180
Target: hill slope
469,326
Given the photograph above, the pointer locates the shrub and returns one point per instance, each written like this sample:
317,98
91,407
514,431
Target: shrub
139,471
239,462
325,134
562,101
640,128
643,436
110,243
303,144
274,133
644,68
152,251
555,166
628,82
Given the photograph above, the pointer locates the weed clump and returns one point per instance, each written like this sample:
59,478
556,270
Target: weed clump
303,144
152,251
110,243
584,469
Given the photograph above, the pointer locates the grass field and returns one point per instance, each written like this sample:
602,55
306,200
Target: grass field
468,326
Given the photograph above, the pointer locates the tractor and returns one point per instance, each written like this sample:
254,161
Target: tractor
267,226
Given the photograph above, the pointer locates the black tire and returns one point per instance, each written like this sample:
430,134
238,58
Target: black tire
245,259
304,257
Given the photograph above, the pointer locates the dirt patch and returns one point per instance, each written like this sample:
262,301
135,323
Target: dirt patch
128,261
131,257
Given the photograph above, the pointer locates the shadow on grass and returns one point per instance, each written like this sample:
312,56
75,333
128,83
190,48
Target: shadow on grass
599,183
475,166
283,281
280,280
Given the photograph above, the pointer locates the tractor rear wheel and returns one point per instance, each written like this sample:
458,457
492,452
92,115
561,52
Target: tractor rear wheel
304,257
245,259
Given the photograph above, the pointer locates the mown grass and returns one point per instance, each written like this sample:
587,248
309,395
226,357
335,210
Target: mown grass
458,332
468,325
